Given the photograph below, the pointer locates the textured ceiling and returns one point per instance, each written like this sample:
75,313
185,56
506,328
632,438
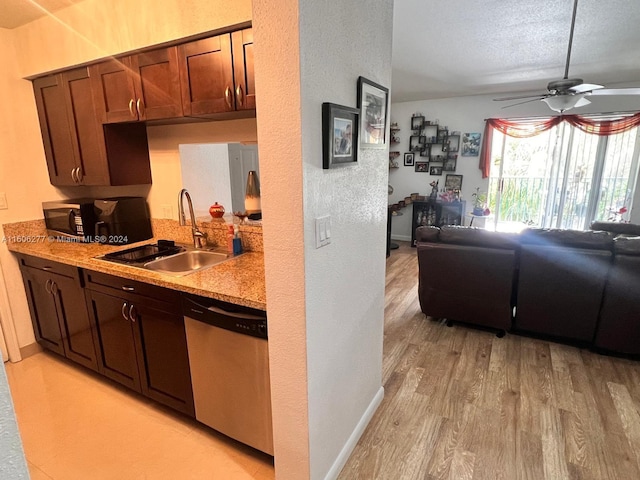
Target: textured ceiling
448,48
18,12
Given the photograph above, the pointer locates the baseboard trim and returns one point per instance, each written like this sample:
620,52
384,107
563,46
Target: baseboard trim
402,238
351,443
30,350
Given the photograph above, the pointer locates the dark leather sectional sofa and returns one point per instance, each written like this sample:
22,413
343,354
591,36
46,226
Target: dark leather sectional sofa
579,286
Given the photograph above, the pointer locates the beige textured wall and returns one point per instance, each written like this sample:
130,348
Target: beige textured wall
98,28
277,54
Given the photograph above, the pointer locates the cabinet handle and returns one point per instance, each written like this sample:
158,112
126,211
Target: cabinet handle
227,96
73,175
124,311
240,95
126,288
132,313
140,107
47,268
53,288
131,111
46,286
79,174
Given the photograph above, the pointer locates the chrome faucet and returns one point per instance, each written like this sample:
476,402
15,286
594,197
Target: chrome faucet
199,238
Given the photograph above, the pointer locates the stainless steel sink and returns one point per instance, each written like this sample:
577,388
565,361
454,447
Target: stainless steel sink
186,262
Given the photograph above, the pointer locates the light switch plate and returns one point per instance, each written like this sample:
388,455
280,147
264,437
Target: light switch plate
3,201
323,231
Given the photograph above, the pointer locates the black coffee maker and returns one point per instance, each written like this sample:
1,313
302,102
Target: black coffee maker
122,220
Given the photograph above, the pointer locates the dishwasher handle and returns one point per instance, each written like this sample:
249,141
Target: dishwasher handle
221,311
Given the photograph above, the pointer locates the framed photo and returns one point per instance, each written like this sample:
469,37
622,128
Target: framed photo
450,163
435,171
408,159
453,182
422,167
372,102
471,144
339,135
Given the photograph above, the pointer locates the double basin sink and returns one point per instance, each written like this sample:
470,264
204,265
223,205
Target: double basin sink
186,262
167,258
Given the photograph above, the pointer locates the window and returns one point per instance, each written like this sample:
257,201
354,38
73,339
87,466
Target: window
562,178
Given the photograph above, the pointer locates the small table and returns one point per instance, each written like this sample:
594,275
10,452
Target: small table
483,217
390,244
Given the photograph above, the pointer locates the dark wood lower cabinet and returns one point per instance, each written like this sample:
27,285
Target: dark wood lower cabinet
142,344
130,332
114,337
59,316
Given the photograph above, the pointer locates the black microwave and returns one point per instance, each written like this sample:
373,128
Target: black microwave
73,217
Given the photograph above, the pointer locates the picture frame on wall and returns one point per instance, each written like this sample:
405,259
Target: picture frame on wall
339,135
471,144
453,182
372,102
435,170
422,167
409,159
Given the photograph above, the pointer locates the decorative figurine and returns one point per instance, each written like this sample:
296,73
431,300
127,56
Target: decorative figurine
434,190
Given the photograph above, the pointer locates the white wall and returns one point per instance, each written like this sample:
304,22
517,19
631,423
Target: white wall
334,338
467,114
13,464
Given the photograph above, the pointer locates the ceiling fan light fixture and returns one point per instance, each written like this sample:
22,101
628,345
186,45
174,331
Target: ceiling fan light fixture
562,103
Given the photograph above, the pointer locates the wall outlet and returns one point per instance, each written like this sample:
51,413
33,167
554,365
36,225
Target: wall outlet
167,211
3,201
323,231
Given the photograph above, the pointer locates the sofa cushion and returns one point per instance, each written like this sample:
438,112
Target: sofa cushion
617,228
427,234
594,240
478,237
627,246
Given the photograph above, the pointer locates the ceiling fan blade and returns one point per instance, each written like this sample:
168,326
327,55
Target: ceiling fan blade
540,97
616,91
585,87
519,97
583,102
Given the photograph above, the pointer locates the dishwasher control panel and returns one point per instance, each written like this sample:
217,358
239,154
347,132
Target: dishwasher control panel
228,316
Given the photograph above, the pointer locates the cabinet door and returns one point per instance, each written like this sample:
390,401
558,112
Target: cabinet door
74,321
86,128
42,306
114,338
206,76
56,132
113,91
162,349
245,91
157,84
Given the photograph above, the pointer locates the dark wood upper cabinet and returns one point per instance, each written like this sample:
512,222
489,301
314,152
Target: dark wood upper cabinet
78,148
243,74
139,87
72,135
206,76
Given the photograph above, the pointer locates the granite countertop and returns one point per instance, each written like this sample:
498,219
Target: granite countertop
238,280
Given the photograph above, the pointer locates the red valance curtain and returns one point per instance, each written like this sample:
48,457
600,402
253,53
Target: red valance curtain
532,128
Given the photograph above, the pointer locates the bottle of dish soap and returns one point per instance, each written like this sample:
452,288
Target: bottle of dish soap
230,239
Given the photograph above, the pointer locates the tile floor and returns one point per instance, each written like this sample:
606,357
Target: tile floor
76,425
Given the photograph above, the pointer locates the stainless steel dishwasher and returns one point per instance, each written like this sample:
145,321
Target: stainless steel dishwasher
229,362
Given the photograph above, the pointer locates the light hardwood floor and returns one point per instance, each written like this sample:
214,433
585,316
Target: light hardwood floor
463,404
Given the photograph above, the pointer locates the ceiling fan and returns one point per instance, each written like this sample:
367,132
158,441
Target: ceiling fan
568,93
